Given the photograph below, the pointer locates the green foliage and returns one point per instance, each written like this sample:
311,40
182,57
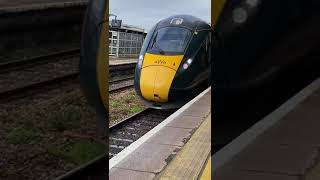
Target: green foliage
71,113
21,135
84,151
57,125
136,109
129,98
78,152
115,104
63,120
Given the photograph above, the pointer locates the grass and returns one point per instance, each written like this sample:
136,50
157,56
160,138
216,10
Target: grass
115,104
129,98
123,105
71,113
66,118
32,134
22,135
78,152
136,109
84,151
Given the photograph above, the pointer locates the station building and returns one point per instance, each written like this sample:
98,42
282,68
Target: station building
125,41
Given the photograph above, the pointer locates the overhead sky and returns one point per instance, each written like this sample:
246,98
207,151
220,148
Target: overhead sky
146,13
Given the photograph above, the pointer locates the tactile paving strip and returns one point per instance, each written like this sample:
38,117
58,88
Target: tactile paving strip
189,162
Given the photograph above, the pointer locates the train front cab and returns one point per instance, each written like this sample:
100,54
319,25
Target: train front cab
170,75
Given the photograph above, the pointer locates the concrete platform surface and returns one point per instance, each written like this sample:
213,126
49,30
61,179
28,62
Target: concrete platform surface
285,145
181,139
114,61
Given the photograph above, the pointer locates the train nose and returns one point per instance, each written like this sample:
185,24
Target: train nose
157,74
155,83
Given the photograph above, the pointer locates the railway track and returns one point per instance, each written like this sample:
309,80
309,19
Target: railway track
34,88
121,84
58,82
122,79
24,77
40,29
131,129
51,57
37,60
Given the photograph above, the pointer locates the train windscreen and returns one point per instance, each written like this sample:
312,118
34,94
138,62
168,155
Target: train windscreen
171,40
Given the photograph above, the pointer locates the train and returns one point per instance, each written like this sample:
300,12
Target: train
174,63
265,51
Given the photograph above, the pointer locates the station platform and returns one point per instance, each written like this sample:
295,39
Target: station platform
178,148
120,61
284,145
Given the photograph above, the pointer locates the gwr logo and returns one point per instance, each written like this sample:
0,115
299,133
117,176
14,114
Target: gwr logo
160,62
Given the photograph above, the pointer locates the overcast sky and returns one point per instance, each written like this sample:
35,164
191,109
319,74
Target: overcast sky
146,13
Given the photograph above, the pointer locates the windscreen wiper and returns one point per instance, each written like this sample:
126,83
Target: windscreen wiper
160,50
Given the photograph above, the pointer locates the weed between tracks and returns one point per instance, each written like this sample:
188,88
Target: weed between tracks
123,105
47,135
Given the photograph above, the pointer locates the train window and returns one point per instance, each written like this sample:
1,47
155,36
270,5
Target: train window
147,40
171,40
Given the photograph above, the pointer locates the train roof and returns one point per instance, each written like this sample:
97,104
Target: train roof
187,21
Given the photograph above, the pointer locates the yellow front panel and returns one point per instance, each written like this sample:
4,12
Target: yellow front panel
157,75
147,79
162,84
172,62
155,83
216,9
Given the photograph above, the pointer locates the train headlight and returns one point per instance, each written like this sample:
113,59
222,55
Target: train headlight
187,64
140,60
141,57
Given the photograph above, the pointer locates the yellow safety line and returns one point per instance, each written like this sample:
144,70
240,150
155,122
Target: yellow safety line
206,175
189,161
